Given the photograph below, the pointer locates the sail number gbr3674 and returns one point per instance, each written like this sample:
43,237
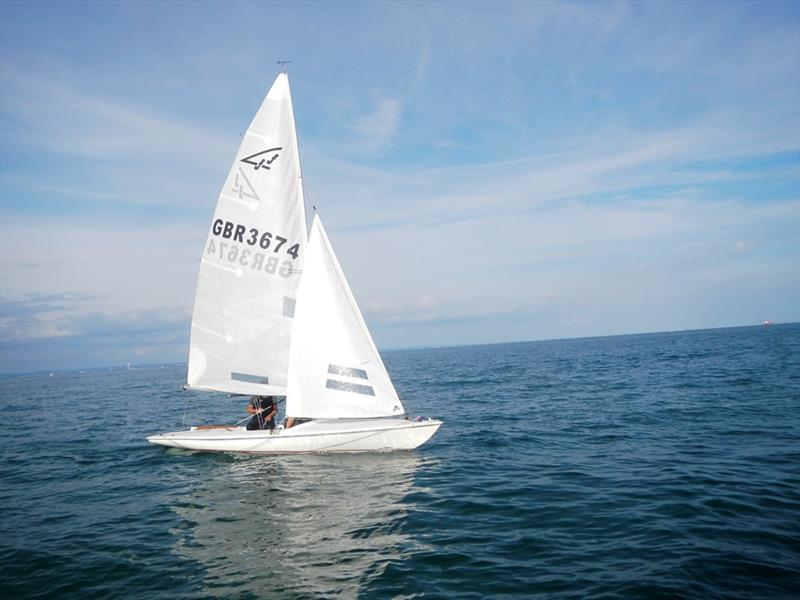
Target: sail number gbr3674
250,247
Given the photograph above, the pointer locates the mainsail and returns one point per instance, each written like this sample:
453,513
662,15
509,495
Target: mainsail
250,267
335,370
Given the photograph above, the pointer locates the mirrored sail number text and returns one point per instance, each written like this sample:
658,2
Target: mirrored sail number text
236,251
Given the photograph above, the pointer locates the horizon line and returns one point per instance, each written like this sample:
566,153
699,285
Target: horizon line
156,365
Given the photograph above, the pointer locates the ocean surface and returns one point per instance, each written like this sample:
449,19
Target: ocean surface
647,466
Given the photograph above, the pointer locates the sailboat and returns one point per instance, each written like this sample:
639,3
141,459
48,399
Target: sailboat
275,316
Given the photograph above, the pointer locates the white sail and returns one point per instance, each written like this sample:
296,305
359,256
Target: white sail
335,370
249,272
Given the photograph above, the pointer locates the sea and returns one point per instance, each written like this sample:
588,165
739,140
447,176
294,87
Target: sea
643,466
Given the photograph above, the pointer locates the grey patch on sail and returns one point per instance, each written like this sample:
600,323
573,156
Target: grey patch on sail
347,371
344,386
250,378
288,307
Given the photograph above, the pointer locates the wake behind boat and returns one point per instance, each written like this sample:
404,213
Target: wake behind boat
275,316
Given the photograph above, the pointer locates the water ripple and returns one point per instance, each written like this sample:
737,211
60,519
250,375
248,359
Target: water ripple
640,466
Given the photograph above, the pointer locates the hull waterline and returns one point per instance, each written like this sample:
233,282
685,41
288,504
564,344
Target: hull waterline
364,435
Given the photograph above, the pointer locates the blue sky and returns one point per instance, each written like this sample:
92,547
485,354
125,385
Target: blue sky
487,172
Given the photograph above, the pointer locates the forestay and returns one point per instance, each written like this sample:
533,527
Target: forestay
335,370
250,268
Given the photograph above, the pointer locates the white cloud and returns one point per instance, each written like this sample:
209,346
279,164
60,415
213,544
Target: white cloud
33,321
122,152
375,131
111,266
69,121
611,169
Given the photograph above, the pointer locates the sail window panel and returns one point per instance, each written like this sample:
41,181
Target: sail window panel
263,379
288,307
347,371
346,386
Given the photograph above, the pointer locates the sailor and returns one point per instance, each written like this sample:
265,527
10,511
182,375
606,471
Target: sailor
263,409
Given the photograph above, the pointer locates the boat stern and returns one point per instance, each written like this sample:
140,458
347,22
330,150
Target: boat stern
421,431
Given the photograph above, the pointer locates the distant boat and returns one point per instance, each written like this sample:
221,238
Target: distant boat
767,323
274,315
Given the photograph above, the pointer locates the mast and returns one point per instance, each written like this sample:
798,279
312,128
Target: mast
283,64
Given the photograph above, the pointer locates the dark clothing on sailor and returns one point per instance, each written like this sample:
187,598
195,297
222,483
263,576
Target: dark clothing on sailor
259,420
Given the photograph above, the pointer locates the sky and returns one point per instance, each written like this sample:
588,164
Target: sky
487,172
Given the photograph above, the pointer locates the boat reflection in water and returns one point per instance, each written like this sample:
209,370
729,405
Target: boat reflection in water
317,525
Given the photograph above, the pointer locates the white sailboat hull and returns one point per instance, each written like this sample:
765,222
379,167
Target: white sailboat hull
320,436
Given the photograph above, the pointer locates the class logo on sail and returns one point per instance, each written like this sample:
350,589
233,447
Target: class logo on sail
263,159
243,188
